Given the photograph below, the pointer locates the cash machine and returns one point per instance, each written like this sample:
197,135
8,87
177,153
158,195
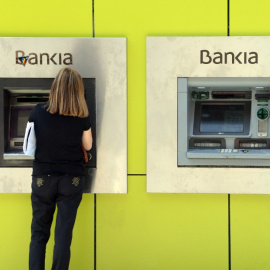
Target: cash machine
28,67
223,122
208,108
18,98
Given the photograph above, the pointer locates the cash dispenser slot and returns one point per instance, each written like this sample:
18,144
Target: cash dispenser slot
206,143
252,144
231,94
32,99
262,96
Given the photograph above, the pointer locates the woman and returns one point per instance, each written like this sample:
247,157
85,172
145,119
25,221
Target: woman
62,125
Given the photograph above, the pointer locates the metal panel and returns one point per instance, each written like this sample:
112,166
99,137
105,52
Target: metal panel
169,58
101,58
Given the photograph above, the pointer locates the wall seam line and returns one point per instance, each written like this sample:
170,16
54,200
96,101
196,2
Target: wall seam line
229,196
95,196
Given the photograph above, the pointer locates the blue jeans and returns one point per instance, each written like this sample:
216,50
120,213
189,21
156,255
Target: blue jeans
65,191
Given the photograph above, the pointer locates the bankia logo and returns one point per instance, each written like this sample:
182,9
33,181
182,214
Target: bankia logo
23,60
43,58
207,57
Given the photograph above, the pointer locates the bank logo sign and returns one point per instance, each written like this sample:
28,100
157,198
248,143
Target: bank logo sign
207,57
43,58
23,60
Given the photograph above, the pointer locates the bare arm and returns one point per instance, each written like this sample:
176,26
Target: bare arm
87,139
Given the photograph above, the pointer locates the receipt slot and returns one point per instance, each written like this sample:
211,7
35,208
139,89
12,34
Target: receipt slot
226,120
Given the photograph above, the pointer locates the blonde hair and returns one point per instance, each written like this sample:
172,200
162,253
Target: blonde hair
67,94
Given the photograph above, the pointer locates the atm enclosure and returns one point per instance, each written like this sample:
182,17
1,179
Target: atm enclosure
19,97
27,69
227,121
208,117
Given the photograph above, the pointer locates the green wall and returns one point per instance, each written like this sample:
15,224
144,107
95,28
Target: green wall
141,230
250,214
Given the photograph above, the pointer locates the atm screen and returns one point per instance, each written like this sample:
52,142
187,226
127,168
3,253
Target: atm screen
23,116
222,118
18,119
